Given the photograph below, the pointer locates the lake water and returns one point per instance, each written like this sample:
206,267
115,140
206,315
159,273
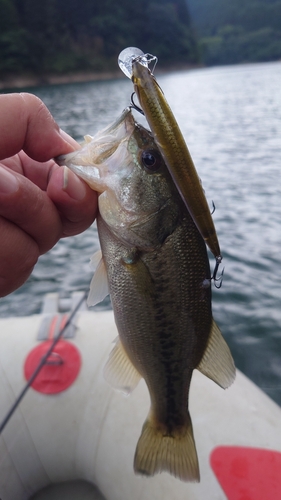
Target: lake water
231,119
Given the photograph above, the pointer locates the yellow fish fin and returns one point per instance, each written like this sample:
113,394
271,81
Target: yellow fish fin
217,362
119,370
99,284
174,452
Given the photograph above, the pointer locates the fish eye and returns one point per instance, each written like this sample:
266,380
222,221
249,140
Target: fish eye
151,160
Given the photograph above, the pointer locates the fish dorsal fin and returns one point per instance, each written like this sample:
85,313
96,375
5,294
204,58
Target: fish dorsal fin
119,370
99,284
217,362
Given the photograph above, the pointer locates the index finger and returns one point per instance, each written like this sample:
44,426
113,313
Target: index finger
26,123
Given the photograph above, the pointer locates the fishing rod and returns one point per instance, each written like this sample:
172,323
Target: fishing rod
40,365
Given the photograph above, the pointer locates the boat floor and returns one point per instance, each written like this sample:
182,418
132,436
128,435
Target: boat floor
70,490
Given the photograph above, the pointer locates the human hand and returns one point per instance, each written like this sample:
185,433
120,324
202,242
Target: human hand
40,202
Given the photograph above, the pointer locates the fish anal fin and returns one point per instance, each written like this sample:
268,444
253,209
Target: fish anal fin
174,452
217,362
99,284
119,371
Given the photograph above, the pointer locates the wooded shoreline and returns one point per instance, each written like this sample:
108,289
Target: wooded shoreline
58,41
22,82
29,81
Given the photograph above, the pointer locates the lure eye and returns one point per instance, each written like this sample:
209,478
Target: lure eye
151,161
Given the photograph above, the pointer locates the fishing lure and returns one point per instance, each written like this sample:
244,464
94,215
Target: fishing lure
170,141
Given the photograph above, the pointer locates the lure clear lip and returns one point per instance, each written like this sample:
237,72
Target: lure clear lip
130,54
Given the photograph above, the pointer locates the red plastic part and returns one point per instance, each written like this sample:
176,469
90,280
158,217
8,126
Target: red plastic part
61,370
247,473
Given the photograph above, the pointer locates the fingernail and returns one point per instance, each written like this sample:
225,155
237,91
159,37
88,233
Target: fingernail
67,138
73,186
8,182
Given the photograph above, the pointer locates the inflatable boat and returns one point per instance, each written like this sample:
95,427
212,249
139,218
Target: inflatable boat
73,437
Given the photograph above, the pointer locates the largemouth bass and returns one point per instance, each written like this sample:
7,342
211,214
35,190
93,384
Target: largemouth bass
154,264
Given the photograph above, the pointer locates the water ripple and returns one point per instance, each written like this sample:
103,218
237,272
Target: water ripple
231,119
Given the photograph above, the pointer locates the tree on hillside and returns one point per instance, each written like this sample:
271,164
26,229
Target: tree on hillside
68,35
235,31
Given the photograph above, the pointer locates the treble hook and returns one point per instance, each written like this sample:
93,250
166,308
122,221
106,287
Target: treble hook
214,277
134,106
214,208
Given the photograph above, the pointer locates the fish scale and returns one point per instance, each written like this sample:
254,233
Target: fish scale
171,340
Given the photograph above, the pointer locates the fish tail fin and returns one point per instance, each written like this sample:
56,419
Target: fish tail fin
175,452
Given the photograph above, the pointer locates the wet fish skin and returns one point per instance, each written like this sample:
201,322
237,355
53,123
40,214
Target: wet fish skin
158,274
163,344
173,148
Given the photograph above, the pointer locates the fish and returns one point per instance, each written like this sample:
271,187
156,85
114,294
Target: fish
174,150
154,264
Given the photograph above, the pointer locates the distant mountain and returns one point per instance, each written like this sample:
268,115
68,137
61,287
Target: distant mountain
233,31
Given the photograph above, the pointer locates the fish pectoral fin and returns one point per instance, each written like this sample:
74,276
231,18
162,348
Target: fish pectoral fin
217,362
95,260
119,371
174,452
99,284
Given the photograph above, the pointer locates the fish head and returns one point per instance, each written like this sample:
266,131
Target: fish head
138,199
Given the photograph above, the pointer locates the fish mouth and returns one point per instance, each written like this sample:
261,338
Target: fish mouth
105,142
126,117
101,154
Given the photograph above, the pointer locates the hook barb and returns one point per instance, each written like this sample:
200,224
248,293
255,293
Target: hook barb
218,281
